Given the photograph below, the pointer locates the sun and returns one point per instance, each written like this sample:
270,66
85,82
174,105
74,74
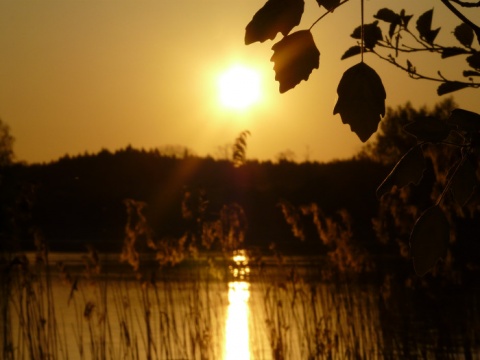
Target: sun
239,87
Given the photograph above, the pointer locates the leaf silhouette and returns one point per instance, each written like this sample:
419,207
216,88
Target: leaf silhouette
464,34
424,27
408,170
429,129
468,73
295,56
354,50
465,120
450,86
328,4
474,61
429,239
453,51
463,183
276,16
387,15
410,68
391,17
372,34
405,18
361,100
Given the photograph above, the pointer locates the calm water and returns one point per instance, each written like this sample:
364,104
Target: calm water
233,310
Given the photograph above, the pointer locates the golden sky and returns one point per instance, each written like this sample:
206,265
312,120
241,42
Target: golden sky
82,75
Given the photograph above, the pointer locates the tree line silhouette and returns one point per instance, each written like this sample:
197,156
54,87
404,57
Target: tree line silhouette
296,208
78,200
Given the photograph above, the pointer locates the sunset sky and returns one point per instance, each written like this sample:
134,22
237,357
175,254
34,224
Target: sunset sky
80,76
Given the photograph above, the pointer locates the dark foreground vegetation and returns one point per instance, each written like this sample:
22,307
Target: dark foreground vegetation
136,214
81,200
146,201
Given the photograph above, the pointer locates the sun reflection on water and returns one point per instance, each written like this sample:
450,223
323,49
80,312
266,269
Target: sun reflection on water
237,340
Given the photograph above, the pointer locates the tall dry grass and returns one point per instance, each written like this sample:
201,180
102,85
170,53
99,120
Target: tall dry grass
173,304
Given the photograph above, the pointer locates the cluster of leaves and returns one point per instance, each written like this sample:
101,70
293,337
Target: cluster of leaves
400,39
361,102
361,93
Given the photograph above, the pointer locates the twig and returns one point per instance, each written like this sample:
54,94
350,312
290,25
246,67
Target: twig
328,12
449,182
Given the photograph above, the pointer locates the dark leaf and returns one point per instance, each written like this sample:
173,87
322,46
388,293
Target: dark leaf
450,86
464,34
405,18
276,16
372,34
465,120
387,15
391,31
468,73
408,170
453,51
429,239
328,4
361,100
391,17
412,70
424,27
464,183
474,61
295,56
354,50
429,129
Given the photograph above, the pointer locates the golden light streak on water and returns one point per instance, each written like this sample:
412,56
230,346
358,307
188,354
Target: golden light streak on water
237,339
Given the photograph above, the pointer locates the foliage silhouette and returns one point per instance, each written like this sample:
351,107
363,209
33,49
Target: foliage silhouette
81,198
391,142
361,93
199,204
295,57
371,37
430,174
361,100
300,44
276,16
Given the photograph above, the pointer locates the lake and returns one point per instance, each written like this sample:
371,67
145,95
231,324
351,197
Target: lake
93,307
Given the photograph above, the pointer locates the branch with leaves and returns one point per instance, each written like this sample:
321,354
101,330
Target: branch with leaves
361,96
295,56
400,39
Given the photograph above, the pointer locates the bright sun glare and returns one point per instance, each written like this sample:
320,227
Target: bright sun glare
239,87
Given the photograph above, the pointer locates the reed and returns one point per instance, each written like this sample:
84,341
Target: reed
181,315
176,305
